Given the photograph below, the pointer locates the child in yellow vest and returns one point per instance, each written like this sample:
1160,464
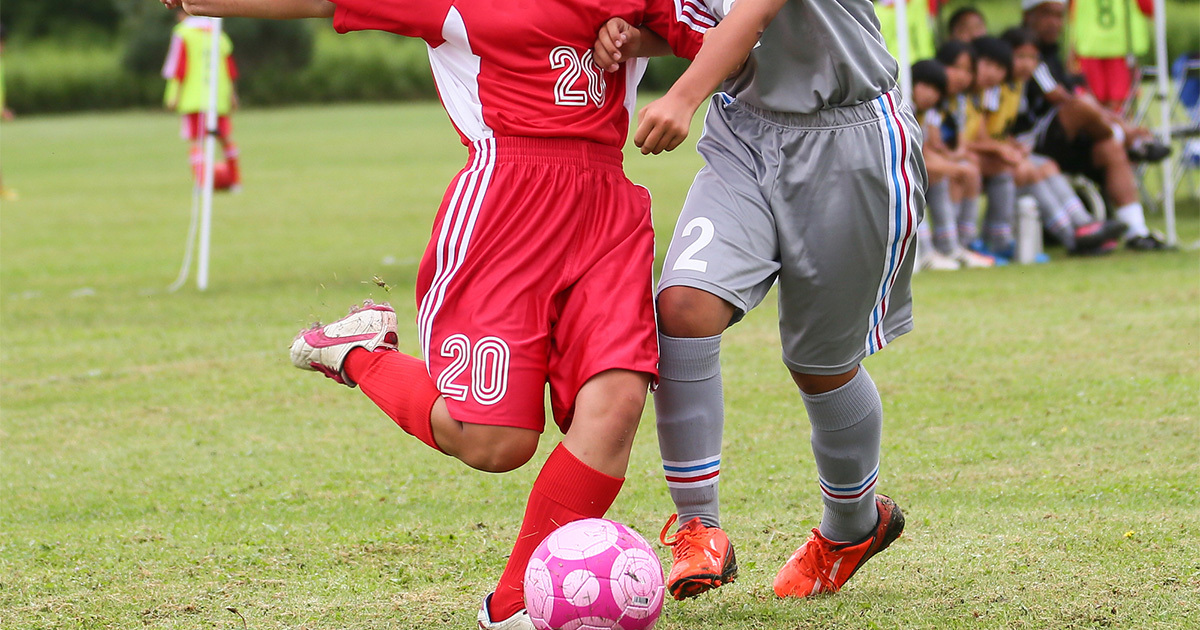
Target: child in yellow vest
186,72
1103,34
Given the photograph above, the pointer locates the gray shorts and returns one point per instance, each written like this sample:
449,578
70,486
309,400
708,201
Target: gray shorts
825,203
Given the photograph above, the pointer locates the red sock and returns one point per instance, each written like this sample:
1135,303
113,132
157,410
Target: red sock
231,160
196,157
566,490
400,385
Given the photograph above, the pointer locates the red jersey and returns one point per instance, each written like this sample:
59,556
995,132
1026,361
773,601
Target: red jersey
524,67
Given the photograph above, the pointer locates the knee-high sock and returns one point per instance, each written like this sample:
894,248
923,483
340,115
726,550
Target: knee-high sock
231,161
400,385
1069,200
566,490
847,425
690,411
968,217
1055,218
925,244
1001,196
942,211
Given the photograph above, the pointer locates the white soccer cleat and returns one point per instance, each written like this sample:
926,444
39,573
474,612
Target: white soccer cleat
519,621
324,348
973,260
935,261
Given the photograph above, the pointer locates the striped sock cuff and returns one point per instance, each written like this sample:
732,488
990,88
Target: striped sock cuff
852,492
692,474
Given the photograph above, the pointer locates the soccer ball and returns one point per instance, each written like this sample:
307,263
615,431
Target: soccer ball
594,574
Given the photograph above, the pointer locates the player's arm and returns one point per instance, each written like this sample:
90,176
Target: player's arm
270,9
664,123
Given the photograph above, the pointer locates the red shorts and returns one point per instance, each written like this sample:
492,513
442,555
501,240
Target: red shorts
193,126
1109,79
538,271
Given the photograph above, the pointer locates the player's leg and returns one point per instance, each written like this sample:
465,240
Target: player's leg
1000,189
721,263
1121,187
229,149
968,209
601,363
846,244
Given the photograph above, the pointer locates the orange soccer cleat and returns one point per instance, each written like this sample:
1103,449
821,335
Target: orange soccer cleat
703,558
822,566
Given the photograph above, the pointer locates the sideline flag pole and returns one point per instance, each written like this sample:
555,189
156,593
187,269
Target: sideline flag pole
901,7
210,140
1164,123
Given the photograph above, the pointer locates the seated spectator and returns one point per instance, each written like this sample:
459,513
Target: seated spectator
1062,211
959,63
950,178
966,25
1080,136
998,160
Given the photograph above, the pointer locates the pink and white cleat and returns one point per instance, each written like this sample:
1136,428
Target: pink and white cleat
324,348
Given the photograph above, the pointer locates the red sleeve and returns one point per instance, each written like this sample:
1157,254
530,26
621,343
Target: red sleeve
411,18
231,67
181,64
681,22
1147,6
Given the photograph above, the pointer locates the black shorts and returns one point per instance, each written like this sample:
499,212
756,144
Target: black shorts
1073,156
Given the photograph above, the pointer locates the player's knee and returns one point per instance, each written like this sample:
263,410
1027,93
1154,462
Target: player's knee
813,384
689,312
501,450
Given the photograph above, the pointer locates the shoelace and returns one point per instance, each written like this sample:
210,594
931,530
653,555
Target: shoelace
682,536
822,559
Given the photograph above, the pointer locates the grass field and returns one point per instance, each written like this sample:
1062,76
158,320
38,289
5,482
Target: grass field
161,462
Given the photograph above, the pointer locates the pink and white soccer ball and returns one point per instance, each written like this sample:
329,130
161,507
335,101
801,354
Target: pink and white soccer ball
594,574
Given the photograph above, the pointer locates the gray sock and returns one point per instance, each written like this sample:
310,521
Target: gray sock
925,238
1001,196
1069,201
690,411
1054,217
968,215
847,425
942,213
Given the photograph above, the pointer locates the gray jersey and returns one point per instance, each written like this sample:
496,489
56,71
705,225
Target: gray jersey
816,54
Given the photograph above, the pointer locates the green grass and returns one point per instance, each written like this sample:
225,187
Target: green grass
160,461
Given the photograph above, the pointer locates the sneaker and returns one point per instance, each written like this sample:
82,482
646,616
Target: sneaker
973,260
519,621
324,348
823,566
1097,237
936,261
703,558
1150,151
1000,258
1148,243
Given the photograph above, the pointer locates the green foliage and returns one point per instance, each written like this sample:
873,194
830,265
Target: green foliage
60,18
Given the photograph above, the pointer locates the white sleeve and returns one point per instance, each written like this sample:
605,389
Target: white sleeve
1044,78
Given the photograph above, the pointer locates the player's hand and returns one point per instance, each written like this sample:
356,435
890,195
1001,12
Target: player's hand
172,4
617,41
663,124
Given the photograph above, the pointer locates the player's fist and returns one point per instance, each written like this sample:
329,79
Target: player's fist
663,124
616,42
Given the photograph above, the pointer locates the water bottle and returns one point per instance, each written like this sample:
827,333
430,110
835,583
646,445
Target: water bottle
1029,231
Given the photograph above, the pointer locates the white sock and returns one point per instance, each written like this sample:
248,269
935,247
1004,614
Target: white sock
1118,133
1134,216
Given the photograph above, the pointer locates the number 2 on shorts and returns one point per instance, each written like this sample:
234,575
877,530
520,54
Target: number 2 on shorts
686,260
